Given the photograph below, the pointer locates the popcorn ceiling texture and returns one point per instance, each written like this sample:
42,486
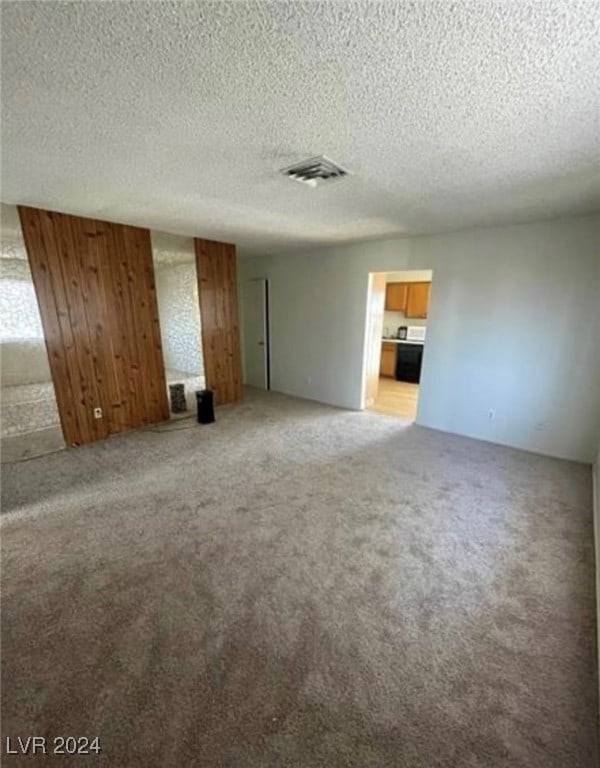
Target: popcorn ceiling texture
179,115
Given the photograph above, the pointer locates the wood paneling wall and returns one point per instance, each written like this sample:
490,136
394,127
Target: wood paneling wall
95,286
217,288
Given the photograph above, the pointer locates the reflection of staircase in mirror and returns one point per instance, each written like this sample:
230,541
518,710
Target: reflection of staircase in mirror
29,421
27,397
28,408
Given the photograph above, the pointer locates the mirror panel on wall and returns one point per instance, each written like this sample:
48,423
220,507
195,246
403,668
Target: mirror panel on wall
30,422
179,312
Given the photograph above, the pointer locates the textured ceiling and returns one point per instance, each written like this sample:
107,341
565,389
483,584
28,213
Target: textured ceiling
178,116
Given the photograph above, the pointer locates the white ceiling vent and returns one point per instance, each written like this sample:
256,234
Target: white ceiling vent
315,171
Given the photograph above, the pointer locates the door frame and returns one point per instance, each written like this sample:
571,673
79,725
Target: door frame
267,327
371,353
267,295
419,275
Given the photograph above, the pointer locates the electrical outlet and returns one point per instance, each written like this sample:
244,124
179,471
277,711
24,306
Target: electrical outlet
97,413
491,414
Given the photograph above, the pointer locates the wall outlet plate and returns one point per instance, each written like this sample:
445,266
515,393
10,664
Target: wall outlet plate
97,413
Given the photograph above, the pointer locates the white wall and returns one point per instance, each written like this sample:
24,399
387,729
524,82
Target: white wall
514,326
318,314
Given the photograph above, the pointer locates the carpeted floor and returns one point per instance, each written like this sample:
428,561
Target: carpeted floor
301,586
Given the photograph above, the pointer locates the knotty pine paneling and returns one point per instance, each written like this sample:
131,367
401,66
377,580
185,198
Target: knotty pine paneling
95,286
217,288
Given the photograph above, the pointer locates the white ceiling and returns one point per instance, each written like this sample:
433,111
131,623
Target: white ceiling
178,116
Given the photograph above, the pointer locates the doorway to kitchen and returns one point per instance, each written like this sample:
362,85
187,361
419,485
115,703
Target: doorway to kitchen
396,335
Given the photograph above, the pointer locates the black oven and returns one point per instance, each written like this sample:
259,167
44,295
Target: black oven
408,362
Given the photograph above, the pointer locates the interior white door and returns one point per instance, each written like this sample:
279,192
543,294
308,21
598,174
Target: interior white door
375,312
255,297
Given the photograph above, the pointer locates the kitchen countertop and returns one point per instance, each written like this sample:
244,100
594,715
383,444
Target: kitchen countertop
402,341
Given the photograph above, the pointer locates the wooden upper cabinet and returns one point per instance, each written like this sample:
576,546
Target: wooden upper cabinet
410,298
396,295
417,302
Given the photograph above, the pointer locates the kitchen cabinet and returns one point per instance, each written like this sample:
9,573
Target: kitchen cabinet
388,359
395,296
410,298
417,301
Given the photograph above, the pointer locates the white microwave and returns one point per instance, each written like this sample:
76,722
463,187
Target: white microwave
416,332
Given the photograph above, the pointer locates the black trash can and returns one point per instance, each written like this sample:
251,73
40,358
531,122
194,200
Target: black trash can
206,411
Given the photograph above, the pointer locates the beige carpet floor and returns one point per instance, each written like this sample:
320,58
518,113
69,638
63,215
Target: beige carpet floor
301,586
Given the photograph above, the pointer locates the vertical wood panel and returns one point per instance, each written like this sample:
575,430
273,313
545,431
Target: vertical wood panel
95,287
142,294
122,277
234,334
150,322
136,295
121,415
217,288
77,298
69,322
32,235
88,237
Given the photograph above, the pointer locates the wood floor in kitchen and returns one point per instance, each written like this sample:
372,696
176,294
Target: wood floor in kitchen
397,398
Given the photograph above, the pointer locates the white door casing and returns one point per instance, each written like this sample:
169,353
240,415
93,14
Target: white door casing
255,295
374,332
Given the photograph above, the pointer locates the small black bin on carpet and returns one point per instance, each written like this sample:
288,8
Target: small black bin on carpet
206,410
